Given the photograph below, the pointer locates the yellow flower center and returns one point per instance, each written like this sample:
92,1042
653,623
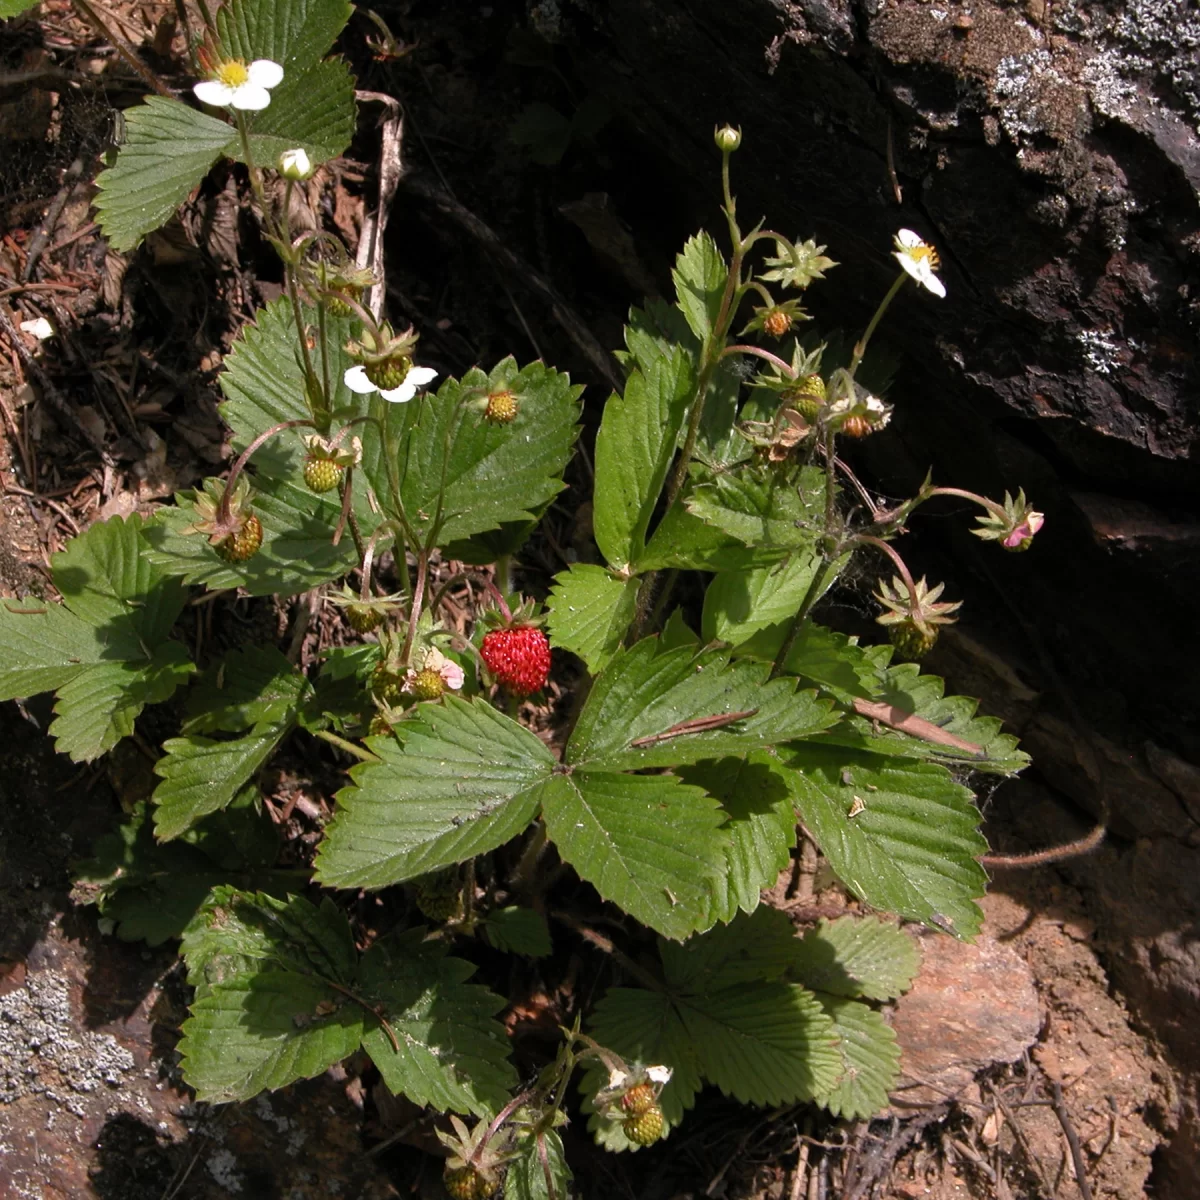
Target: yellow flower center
233,74
925,254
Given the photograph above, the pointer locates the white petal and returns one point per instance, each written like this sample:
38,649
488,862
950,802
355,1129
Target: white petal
935,285
214,92
659,1074
400,395
909,240
356,380
264,73
420,376
249,97
909,265
39,327
452,674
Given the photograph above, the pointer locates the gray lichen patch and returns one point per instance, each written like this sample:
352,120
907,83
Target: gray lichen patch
44,1052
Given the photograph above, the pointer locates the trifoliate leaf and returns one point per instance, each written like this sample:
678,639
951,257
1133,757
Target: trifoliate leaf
590,611
201,776
760,822
699,277
495,473
648,843
901,835
870,1059
294,35
169,148
634,449
643,710
857,956
153,891
272,1004
770,1044
519,931
312,109
725,1015
453,1053
526,1178
910,691
763,507
104,648
459,779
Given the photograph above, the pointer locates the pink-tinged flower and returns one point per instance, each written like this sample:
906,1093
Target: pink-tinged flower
236,85
1022,535
434,676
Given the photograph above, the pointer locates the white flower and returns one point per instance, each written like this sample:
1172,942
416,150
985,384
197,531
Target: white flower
39,327
295,165
356,380
236,85
920,260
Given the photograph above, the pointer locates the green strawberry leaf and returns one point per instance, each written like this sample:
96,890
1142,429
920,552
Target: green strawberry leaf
901,835
458,780
104,647
495,474
450,1052
760,822
590,611
764,507
870,1059
526,1178
633,714
649,843
294,35
169,148
699,277
518,931
857,957
312,109
634,449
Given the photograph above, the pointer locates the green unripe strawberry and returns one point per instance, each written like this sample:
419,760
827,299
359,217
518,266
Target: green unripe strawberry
380,726
466,1183
501,408
438,895
363,618
243,544
911,640
807,397
427,684
639,1099
645,1128
387,685
337,306
322,474
388,374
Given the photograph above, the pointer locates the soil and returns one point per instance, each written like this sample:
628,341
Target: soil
91,1102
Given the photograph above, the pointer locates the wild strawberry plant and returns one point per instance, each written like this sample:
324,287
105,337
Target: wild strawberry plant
708,730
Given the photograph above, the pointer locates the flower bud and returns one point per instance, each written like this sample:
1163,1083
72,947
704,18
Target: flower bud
295,165
727,138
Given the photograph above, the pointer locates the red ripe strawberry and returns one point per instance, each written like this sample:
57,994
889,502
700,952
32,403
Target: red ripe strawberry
519,657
